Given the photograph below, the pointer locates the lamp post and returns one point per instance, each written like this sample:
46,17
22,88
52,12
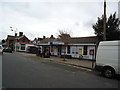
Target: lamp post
12,29
104,23
15,38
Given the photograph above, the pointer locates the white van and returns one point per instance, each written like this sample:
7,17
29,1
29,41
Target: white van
108,58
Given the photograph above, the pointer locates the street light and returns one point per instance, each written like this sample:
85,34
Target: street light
13,29
15,38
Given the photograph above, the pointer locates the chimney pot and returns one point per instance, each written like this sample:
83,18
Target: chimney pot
15,34
44,37
20,33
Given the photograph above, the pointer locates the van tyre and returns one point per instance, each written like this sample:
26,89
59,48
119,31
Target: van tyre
108,72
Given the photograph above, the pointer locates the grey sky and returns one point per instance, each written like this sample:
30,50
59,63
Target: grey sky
38,18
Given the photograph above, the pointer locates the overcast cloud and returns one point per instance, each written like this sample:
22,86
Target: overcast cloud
36,19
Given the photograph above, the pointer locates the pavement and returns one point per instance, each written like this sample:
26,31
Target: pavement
88,64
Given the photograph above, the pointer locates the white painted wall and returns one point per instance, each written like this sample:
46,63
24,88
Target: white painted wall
62,51
26,46
88,56
75,52
91,56
19,45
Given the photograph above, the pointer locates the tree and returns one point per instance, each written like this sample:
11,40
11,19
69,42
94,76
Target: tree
64,36
112,28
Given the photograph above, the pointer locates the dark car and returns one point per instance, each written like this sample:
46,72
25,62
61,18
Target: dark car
7,50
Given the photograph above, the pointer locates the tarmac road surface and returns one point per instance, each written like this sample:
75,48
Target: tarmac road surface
24,72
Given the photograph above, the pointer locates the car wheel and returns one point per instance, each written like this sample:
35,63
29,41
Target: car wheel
108,72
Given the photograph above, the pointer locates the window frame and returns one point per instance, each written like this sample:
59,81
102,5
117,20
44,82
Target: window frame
85,50
22,46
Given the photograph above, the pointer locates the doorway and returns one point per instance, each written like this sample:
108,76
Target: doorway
59,50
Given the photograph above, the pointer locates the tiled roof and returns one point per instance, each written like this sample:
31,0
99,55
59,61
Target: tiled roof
11,37
15,37
23,36
47,40
91,39
74,40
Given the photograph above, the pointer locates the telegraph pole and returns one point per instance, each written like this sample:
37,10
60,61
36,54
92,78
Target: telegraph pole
104,23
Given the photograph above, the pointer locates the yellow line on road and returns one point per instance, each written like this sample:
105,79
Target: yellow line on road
82,68
79,67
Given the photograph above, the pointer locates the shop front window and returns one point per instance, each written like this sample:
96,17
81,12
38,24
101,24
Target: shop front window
68,49
22,46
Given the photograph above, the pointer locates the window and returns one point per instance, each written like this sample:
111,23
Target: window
73,50
63,49
68,49
17,47
22,46
85,50
51,48
76,52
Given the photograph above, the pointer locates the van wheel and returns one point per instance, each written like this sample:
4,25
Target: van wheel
108,72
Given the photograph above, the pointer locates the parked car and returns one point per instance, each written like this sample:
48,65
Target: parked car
8,49
107,58
1,49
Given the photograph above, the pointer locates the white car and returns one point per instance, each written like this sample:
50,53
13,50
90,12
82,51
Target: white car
1,49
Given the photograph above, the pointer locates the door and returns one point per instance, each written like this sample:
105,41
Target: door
59,50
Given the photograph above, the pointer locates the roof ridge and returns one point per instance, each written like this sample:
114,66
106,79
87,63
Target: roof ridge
82,37
10,36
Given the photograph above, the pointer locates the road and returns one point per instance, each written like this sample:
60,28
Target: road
0,71
26,72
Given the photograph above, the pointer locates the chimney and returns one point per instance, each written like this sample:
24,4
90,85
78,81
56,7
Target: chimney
51,37
39,39
15,34
44,37
20,34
